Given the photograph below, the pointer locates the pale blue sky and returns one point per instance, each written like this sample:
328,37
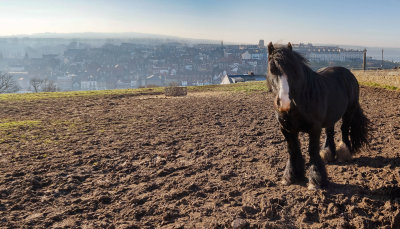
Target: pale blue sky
363,22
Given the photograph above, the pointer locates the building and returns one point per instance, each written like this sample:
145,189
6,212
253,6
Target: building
229,79
261,44
64,83
328,53
154,80
89,85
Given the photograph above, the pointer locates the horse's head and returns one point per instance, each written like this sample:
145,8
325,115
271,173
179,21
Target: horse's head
284,70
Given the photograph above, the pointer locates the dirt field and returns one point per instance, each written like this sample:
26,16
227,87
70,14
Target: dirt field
206,160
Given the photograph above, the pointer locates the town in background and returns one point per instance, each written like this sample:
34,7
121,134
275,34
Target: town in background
97,64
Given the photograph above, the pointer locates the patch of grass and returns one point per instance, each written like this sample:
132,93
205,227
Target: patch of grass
10,130
9,125
373,84
388,79
255,86
36,131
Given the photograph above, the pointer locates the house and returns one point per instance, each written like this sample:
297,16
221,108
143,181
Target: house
254,55
123,85
155,80
64,83
229,79
89,85
328,53
76,85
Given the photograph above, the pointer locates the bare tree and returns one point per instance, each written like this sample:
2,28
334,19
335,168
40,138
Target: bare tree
36,84
49,86
7,84
39,85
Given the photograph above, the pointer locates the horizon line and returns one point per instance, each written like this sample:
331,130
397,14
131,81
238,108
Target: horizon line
165,36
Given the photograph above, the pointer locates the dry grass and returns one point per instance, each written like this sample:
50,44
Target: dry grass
389,79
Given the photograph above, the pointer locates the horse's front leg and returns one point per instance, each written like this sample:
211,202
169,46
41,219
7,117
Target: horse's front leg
317,177
294,170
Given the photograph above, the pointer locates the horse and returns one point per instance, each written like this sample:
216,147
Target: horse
308,101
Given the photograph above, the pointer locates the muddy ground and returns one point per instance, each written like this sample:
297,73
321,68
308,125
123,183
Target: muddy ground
206,160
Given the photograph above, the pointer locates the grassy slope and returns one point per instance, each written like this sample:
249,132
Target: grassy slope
240,87
384,79
388,79
55,95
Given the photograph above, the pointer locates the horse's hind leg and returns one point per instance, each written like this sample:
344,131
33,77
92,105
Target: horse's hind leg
317,177
294,170
343,152
328,153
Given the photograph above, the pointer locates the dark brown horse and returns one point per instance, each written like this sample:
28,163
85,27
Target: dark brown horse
307,101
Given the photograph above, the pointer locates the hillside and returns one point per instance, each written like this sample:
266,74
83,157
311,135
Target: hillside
138,159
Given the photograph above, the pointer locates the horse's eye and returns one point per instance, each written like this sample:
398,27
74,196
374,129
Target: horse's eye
274,70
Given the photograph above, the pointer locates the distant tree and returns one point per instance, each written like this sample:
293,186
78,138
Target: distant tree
40,85
49,86
7,84
36,84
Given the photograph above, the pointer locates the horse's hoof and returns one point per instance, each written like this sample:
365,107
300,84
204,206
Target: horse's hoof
343,153
326,155
286,182
315,180
312,187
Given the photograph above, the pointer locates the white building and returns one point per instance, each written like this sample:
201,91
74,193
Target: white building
229,79
252,55
328,53
89,85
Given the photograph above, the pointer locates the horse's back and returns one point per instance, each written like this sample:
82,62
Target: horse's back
340,78
338,72
342,91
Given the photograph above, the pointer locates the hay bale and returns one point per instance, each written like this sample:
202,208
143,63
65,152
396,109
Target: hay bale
175,91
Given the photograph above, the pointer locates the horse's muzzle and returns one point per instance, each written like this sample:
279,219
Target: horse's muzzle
281,107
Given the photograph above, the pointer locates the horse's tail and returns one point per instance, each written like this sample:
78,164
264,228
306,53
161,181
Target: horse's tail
359,129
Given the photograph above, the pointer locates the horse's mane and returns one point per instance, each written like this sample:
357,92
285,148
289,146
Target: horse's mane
294,63
283,54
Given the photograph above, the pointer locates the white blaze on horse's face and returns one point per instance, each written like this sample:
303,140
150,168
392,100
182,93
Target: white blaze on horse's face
284,101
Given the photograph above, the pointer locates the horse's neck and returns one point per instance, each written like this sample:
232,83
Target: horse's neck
309,81
310,90
313,78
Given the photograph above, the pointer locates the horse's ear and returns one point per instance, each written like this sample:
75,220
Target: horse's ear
270,48
289,45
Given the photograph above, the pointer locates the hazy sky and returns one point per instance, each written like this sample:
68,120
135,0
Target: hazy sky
363,22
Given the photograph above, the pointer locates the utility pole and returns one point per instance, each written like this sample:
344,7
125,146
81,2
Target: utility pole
382,60
365,59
